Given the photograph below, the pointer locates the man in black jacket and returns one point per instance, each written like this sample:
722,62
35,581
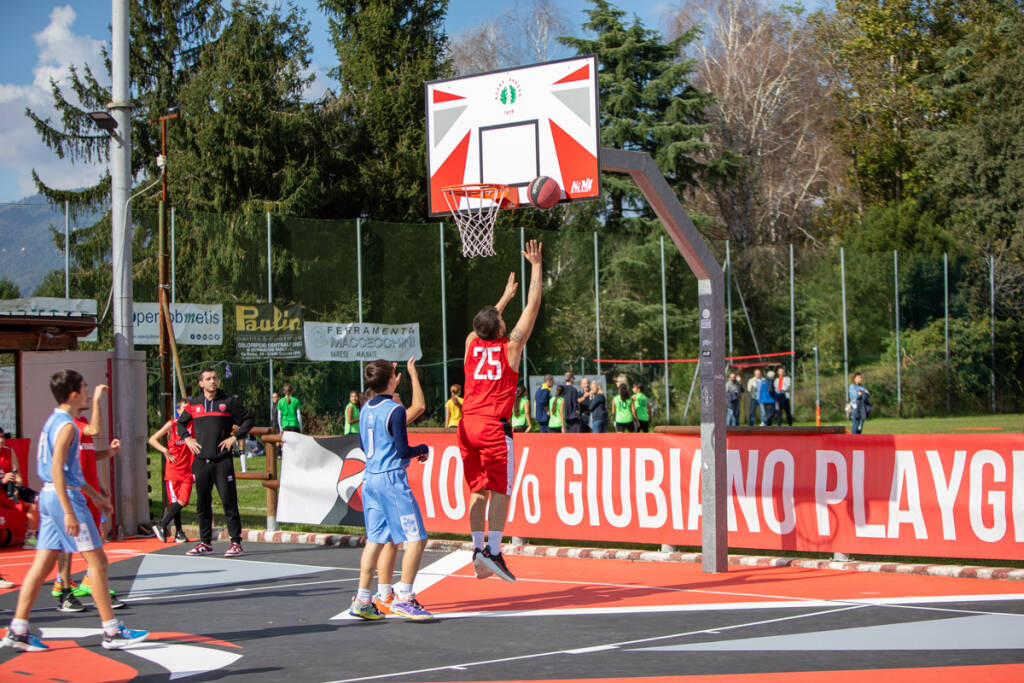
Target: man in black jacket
212,415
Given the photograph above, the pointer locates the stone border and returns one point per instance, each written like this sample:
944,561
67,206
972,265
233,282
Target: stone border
947,570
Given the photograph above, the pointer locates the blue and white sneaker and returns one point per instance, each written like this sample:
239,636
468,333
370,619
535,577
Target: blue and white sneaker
410,609
365,610
123,637
26,642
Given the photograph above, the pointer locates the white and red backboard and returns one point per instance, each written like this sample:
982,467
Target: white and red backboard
508,127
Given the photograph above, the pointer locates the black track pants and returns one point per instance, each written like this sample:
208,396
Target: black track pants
220,472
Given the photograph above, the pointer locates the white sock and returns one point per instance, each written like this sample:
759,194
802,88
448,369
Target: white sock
478,540
403,591
384,589
494,542
110,627
19,626
363,594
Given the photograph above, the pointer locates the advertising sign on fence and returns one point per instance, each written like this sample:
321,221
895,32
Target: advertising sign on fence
194,324
264,331
912,495
362,341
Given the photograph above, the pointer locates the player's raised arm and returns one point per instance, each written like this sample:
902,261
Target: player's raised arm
524,326
419,402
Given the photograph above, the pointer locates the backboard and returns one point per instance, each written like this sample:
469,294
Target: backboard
508,127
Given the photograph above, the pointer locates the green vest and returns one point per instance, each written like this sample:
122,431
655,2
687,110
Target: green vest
623,414
288,411
555,413
352,427
521,419
642,413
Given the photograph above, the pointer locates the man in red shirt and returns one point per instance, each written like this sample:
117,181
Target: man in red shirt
178,475
491,366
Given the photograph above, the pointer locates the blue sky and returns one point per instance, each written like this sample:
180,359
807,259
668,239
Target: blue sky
41,38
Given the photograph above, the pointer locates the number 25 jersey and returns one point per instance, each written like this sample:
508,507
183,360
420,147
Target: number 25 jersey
490,380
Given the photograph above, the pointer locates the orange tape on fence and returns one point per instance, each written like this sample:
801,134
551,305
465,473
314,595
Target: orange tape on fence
691,360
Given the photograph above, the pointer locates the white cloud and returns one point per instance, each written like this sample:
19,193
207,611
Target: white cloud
21,148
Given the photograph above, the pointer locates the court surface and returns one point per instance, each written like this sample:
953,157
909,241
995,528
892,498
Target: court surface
279,614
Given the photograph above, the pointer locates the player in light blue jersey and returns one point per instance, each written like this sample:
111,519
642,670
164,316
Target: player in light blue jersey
391,512
65,523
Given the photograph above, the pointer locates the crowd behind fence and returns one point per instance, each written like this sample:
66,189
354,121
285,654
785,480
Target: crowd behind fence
928,331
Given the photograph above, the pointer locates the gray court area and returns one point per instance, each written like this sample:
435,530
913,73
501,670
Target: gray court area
274,615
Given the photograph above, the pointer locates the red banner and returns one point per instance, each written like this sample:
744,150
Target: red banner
914,495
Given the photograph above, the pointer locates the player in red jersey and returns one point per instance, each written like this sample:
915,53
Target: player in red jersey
178,475
491,367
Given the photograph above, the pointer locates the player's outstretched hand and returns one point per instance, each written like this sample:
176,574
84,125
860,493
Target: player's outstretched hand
98,391
533,252
511,287
410,365
115,446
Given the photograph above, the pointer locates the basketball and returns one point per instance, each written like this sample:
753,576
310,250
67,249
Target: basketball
544,192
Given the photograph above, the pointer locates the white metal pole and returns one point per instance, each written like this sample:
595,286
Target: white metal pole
133,500
444,316
522,298
67,251
992,309
359,287
817,389
597,305
846,350
271,514
896,282
945,288
664,330
728,292
792,336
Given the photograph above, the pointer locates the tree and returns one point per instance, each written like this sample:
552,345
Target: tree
772,117
648,103
8,289
387,50
522,35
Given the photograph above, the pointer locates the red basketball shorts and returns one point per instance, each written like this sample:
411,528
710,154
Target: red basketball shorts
179,491
488,461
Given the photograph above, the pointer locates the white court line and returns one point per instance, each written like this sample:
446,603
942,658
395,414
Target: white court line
605,646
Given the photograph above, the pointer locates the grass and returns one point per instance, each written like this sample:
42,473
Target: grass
963,424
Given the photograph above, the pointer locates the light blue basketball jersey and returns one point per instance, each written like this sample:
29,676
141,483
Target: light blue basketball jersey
44,455
378,444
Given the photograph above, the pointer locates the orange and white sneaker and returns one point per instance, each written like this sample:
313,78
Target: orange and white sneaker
383,604
481,569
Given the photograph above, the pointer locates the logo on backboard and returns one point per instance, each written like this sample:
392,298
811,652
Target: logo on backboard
581,186
508,92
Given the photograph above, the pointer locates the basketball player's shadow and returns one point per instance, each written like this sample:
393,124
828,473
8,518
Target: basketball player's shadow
576,596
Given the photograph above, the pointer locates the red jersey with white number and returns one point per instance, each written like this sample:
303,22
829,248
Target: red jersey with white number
87,454
181,470
490,380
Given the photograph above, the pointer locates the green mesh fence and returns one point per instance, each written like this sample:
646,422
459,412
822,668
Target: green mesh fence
224,259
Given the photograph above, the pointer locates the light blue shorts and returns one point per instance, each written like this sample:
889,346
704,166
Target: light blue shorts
52,535
391,511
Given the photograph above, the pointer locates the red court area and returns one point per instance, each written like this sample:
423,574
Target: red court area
555,583
15,562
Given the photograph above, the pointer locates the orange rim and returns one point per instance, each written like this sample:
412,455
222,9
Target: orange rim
504,195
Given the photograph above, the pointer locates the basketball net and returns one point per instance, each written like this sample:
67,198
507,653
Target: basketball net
475,209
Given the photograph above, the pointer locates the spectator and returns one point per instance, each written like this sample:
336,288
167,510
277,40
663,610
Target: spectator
556,410
289,411
733,391
860,403
753,390
783,384
16,491
453,407
275,424
598,408
520,420
540,403
212,415
622,407
571,406
641,408
766,397
352,413
584,402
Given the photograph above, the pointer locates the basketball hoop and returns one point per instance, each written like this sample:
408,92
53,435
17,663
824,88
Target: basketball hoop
475,208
